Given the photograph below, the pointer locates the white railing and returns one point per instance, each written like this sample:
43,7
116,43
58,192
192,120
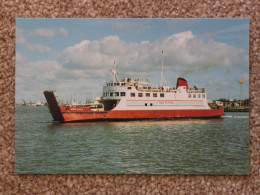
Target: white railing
196,90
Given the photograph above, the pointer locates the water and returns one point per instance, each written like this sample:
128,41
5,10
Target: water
216,146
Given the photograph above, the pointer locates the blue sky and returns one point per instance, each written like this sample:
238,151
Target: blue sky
73,56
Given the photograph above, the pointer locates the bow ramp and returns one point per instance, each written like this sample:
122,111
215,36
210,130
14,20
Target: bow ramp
53,106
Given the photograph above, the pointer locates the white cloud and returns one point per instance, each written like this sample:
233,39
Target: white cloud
63,32
44,32
45,69
20,38
183,52
235,28
32,78
88,62
22,69
39,48
245,77
130,26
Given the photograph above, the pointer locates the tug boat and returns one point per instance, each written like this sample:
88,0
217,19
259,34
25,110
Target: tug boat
133,99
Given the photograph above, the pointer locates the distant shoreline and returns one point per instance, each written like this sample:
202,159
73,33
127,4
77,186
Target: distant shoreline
236,109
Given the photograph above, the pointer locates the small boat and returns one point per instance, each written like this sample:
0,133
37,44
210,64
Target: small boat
39,104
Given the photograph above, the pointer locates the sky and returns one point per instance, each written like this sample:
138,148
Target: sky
73,56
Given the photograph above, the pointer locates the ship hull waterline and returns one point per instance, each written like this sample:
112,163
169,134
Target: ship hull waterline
126,115
80,114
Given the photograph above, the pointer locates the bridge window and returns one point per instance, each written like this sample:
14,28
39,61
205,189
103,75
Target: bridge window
116,93
122,93
161,94
194,95
147,94
154,94
132,94
111,94
140,94
189,95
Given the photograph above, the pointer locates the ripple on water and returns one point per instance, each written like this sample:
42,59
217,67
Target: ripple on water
164,147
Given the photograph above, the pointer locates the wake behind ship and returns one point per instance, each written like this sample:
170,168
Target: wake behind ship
133,99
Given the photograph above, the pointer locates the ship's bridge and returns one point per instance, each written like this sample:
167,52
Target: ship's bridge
112,94
114,90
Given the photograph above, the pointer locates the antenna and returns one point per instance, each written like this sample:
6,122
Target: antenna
163,81
241,90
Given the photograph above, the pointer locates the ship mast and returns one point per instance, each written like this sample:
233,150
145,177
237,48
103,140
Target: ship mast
163,81
113,71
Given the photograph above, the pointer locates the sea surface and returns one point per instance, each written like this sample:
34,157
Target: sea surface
212,146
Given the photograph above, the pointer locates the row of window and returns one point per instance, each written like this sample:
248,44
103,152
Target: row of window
117,94
196,95
144,87
115,84
146,94
114,94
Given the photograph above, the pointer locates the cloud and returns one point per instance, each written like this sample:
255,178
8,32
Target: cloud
33,77
235,28
38,48
44,32
63,32
20,37
245,77
184,52
45,69
21,66
87,63
130,26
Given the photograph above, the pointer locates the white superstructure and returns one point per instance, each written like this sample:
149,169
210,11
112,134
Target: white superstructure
134,94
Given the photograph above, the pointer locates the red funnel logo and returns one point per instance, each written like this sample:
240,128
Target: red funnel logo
182,82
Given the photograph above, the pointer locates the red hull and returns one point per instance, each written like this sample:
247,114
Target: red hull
84,114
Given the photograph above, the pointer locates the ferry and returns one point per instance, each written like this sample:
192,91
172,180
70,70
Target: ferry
133,99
